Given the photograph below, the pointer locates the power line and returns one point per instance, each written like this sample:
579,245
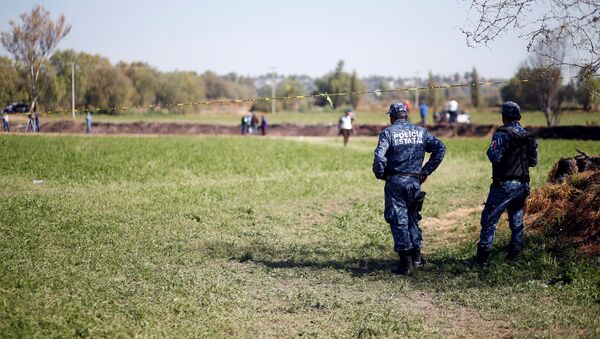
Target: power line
327,96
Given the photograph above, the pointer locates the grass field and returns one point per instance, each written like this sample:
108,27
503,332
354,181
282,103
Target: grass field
246,237
478,117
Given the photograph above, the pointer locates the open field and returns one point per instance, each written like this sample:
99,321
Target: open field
479,117
236,236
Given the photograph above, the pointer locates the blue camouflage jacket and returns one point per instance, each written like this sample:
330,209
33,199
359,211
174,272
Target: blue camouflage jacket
501,142
402,148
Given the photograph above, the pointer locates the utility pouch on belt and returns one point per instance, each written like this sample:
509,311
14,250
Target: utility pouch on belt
419,201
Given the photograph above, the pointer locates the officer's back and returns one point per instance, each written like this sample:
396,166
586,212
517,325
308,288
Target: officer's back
401,150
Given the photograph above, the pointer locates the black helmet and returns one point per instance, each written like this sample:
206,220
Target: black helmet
511,110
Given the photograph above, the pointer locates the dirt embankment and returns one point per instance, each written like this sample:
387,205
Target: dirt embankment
141,127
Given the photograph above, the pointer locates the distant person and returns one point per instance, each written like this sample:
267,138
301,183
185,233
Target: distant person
398,159
37,121
33,121
243,125
88,123
5,122
346,126
254,122
263,124
512,151
29,123
248,122
453,110
423,110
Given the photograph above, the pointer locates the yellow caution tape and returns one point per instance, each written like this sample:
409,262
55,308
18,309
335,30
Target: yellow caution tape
327,96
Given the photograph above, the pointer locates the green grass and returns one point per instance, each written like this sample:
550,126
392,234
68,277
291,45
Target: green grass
234,236
478,117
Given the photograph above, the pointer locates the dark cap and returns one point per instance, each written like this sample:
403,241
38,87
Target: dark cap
398,109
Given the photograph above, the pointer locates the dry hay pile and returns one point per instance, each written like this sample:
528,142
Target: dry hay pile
568,206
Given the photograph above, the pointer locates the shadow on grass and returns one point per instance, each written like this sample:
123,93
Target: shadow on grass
447,268
358,267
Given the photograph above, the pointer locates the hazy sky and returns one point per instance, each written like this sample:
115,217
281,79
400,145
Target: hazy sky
395,38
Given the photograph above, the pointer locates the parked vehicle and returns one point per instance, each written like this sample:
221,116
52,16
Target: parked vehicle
16,107
444,117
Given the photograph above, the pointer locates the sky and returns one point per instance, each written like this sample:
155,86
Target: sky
381,37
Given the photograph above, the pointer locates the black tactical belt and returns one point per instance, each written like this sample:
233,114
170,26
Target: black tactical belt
496,181
401,174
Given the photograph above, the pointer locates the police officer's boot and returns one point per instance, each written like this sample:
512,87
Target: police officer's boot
405,265
417,259
483,256
513,255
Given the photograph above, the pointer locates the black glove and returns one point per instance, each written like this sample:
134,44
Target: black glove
422,177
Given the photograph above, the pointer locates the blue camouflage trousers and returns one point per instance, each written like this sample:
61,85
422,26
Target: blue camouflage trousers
401,193
509,196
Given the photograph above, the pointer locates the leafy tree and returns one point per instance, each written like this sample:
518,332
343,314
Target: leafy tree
355,86
53,90
541,91
588,89
33,42
218,87
475,88
180,87
109,89
336,82
290,86
431,99
85,65
145,81
11,88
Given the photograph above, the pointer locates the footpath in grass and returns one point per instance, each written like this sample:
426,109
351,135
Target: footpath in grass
482,117
241,236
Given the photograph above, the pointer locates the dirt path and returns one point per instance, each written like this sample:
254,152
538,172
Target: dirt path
449,228
141,127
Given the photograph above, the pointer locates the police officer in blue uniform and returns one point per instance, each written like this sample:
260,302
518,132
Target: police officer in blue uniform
512,151
399,161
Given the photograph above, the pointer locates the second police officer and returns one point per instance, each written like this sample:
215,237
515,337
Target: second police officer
399,161
512,151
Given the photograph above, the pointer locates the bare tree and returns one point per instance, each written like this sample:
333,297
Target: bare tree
546,81
574,22
33,42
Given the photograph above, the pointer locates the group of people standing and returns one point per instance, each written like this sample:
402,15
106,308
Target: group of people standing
250,124
398,160
33,122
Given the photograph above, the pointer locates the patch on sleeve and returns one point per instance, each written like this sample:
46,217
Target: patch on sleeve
494,144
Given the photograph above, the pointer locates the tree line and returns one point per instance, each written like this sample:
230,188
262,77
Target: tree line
100,84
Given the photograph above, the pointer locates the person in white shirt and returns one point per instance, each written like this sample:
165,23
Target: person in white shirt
346,126
453,110
5,123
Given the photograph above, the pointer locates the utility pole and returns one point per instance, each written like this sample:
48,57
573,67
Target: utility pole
272,90
416,91
73,89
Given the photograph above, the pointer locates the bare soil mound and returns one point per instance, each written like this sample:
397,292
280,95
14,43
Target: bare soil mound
568,206
290,129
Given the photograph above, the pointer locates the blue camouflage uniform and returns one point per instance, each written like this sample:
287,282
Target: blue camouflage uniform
507,195
398,160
